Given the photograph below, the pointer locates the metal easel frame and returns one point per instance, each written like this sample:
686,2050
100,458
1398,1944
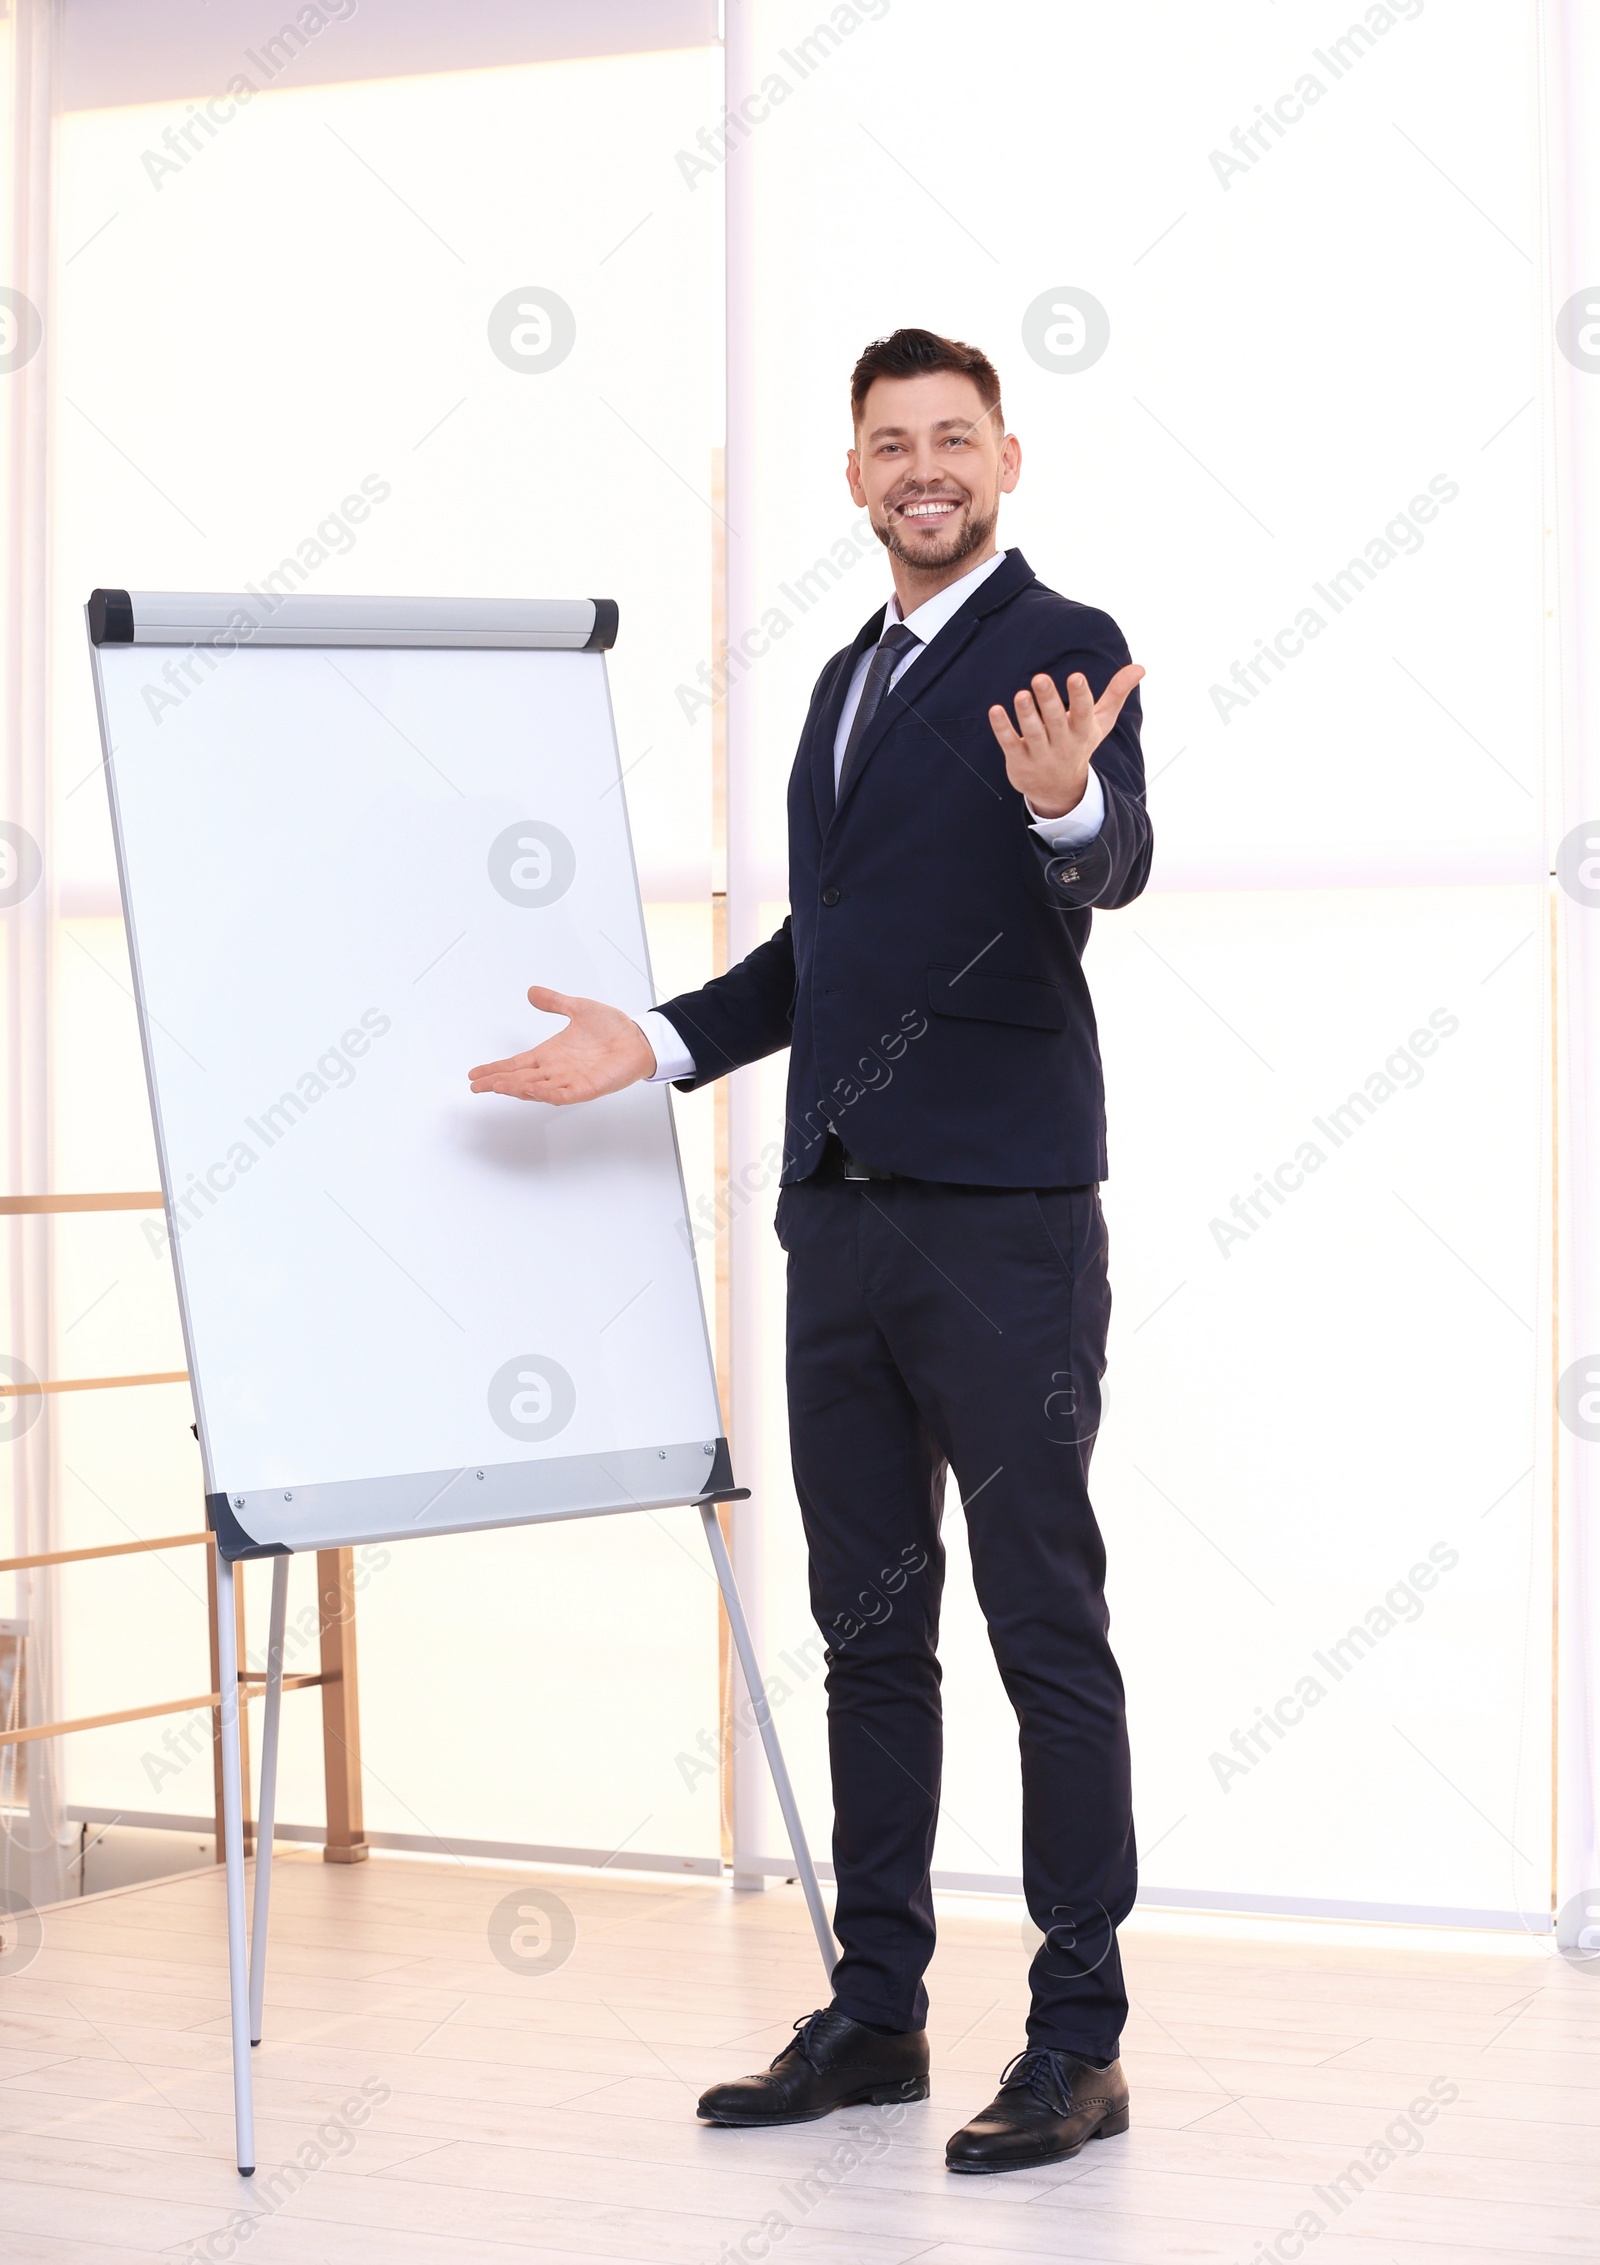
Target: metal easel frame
247,1950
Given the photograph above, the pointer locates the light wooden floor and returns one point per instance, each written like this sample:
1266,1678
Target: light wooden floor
550,2117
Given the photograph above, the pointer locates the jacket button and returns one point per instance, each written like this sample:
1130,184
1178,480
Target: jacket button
830,896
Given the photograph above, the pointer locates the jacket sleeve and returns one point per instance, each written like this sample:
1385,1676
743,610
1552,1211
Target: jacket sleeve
1112,869
738,1017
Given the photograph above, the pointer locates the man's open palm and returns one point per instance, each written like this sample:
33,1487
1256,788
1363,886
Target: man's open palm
1047,751
600,1051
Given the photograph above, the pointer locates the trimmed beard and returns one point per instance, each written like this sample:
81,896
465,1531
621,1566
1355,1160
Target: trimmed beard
973,536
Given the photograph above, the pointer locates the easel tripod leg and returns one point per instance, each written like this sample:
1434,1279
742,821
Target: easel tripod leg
757,1688
233,1849
269,1793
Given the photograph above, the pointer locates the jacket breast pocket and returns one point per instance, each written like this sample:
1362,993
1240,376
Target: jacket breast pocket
995,998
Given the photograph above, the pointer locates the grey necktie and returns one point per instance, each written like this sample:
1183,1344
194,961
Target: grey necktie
896,641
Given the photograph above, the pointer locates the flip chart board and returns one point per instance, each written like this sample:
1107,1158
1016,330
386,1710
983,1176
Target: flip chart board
350,833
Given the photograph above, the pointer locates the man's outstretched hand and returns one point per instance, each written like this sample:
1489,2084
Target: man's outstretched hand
600,1051
1047,754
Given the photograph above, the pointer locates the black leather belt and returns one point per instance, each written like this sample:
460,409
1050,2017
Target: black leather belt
839,1163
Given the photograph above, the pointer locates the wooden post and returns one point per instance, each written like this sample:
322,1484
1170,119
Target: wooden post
341,1715
722,1337
232,1573
719,1176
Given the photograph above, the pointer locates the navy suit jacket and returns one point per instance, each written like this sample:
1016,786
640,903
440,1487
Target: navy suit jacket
929,980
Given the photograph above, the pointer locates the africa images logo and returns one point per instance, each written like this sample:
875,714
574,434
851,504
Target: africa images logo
532,1397
532,864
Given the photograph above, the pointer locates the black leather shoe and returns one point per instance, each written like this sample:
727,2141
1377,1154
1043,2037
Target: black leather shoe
1048,2104
832,2063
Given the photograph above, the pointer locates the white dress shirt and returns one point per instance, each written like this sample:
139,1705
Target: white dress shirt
673,1058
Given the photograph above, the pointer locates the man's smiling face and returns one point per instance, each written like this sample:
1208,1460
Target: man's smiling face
931,464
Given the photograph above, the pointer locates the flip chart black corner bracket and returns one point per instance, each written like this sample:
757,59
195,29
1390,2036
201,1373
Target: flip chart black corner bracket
604,633
233,1543
110,617
719,1485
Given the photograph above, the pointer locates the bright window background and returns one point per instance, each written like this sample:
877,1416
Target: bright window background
304,303
1296,349
1292,357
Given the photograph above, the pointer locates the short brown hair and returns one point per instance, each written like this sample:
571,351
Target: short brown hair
914,353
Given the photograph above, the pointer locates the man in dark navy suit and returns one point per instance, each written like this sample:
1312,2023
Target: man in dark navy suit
968,786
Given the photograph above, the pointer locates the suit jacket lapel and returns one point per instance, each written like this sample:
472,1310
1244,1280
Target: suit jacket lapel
825,723
926,670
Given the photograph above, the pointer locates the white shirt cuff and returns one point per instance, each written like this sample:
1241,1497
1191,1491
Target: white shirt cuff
673,1058
1078,826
